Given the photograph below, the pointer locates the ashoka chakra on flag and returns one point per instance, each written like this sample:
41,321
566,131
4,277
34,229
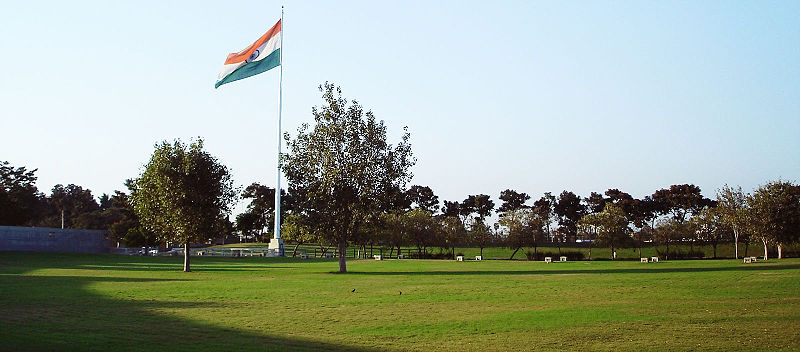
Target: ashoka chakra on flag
261,56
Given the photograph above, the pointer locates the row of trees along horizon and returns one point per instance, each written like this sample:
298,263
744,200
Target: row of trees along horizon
348,187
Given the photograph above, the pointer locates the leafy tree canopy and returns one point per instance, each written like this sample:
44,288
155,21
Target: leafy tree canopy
681,201
423,198
19,198
343,171
451,208
569,210
512,200
479,204
776,212
183,195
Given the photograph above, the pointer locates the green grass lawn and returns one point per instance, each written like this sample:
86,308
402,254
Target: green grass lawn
106,302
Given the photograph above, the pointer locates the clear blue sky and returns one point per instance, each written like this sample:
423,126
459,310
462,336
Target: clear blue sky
534,96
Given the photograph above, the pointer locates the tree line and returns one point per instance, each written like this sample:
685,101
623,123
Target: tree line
70,206
349,186
678,214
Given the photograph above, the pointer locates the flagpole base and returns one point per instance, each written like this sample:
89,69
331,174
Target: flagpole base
276,244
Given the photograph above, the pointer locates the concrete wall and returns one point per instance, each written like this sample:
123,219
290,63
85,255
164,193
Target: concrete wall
43,239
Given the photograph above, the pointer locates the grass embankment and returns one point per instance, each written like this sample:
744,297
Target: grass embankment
106,302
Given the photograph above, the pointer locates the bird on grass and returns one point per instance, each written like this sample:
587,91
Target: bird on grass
401,293
354,290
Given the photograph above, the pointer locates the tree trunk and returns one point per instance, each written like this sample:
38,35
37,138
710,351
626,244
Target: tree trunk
715,250
735,242
590,250
294,252
186,256
481,252
342,258
765,248
613,254
780,251
640,248
512,254
391,251
746,248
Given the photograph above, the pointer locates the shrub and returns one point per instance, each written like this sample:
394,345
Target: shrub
530,255
571,255
679,254
440,255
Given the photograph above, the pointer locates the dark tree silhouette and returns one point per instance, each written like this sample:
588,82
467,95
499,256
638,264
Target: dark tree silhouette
512,200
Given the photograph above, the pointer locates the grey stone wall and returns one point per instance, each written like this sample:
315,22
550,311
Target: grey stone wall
43,239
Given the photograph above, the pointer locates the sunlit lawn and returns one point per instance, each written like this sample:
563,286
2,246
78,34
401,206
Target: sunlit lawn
106,302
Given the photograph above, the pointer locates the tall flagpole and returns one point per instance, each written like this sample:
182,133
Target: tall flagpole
276,242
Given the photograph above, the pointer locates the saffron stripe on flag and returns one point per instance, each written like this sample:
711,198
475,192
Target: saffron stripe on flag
262,55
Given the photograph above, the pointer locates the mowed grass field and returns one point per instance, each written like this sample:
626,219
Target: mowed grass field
73,302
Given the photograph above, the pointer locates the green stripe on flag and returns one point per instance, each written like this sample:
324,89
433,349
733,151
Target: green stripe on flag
271,61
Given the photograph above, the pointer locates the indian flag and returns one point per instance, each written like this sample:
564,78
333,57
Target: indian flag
261,56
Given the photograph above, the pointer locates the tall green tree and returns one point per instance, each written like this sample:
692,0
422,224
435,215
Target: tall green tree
480,234
394,232
343,169
422,229
668,231
681,202
523,227
775,217
710,227
454,233
569,210
733,211
545,208
20,200
183,194
612,227
589,226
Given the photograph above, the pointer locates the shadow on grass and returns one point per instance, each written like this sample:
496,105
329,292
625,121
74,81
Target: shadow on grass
179,267
65,313
95,261
583,271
